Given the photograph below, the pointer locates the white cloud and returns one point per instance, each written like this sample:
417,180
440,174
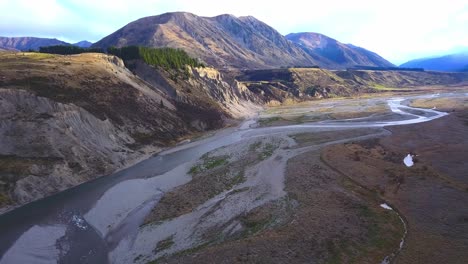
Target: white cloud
398,29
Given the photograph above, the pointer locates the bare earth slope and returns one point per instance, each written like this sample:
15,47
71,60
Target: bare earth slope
69,119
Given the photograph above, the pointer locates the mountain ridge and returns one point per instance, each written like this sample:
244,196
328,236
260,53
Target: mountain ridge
223,41
452,62
227,41
34,43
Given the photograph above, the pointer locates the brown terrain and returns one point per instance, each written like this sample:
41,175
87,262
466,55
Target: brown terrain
325,217
69,119
299,84
331,211
432,195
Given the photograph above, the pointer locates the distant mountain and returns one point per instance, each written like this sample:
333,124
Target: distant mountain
27,43
338,54
223,41
451,63
83,44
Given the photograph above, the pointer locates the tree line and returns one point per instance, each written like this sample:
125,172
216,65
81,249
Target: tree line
167,58
68,50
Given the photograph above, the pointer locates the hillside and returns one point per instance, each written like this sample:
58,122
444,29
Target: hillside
28,43
299,84
450,63
69,119
338,54
223,41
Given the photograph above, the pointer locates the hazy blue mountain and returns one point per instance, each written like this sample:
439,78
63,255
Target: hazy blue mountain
28,43
83,44
452,62
341,55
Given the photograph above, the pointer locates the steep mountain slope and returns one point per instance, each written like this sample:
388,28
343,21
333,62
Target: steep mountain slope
28,43
451,63
224,41
338,55
68,119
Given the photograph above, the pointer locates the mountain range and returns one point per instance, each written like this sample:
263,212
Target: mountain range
452,63
33,43
230,42
226,41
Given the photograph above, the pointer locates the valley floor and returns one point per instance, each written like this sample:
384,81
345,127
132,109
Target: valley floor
304,184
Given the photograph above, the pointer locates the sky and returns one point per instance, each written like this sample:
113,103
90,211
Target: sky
398,30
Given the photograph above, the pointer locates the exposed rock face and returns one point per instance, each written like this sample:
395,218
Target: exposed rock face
337,54
68,119
223,41
27,43
48,146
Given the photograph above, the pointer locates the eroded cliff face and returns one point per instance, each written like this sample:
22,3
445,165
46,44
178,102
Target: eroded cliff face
46,146
65,120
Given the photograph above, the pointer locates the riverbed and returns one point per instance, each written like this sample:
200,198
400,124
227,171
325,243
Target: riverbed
99,221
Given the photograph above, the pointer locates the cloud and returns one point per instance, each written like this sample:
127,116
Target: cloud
398,30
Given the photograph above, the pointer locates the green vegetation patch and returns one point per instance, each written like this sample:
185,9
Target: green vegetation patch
164,244
267,151
268,121
263,150
209,163
68,50
167,58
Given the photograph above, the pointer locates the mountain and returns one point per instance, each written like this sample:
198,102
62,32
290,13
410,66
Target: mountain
223,41
452,63
83,44
338,55
28,43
